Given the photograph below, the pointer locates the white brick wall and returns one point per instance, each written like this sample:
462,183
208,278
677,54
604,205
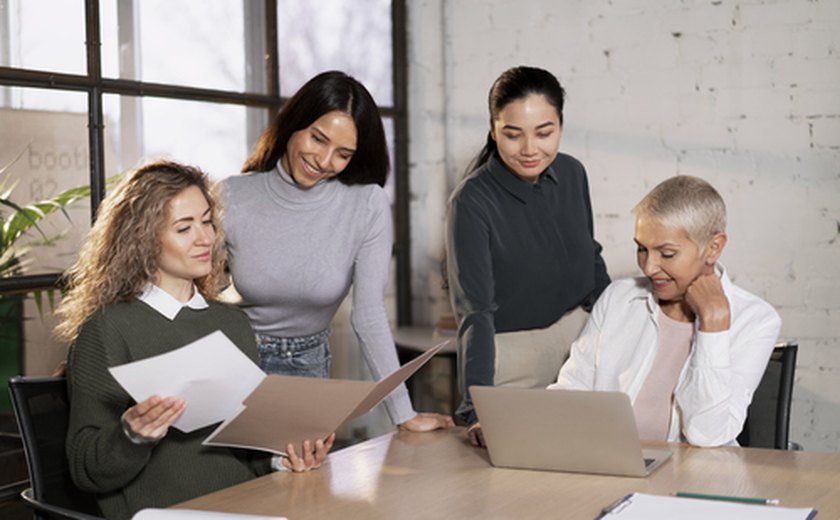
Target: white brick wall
745,94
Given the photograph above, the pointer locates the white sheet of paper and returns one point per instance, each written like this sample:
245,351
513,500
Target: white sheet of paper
642,506
211,374
193,514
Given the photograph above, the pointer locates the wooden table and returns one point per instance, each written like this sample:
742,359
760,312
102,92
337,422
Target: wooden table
438,475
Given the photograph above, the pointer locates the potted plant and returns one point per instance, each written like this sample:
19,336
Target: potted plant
19,234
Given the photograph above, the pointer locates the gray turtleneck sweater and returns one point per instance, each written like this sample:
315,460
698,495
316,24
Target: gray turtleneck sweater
295,252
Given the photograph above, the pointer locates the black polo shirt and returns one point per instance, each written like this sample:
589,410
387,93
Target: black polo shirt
519,256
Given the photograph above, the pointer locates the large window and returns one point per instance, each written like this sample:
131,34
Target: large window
91,88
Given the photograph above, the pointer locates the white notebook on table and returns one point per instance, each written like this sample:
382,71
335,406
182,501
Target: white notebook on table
641,506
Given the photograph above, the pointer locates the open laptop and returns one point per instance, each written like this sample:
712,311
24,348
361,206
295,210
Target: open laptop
563,430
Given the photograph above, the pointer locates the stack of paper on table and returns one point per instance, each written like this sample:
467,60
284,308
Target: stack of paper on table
192,514
640,506
220,383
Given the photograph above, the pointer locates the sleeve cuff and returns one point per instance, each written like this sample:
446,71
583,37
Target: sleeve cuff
134,437
398,406
277,463
712,349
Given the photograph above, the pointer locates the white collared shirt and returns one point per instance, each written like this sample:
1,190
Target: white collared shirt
168,305
617,347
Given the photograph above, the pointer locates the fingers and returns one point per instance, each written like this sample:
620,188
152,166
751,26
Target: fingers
144,407
308,456
311,457
476,436
440,421
446,421
292,461
168,414
702,290
706,298
322,448
152,417
425,422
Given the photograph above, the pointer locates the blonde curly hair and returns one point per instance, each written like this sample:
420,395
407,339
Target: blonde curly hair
120,255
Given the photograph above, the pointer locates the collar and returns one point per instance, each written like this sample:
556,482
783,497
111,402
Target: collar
283,188
653,305
513,184
166,304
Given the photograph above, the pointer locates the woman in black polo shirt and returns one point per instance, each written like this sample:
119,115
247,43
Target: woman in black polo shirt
522,261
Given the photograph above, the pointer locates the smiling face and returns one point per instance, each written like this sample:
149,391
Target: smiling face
527,134
186,242
322,150
670,259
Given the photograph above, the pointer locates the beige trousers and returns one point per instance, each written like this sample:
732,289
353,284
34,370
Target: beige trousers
532,358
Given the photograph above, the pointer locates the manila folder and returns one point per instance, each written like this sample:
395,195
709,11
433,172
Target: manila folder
286,410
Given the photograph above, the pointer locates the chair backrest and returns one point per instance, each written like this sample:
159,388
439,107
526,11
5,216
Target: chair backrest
42,412
768,418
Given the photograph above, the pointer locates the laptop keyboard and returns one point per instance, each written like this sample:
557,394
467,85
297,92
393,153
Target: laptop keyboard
648,462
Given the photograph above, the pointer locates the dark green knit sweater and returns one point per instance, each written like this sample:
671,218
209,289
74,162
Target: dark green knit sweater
127,477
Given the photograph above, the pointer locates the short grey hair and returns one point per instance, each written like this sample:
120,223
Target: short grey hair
688,202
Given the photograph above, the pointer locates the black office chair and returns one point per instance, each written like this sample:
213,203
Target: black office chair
768,417
41,409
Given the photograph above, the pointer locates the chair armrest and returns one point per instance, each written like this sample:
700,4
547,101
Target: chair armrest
53,511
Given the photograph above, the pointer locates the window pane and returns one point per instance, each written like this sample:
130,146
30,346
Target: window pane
180,42
23,26
44,150
316,36
43,99
44,145
207,135
42,352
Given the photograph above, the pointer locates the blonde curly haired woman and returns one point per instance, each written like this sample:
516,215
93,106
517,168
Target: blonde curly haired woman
145,284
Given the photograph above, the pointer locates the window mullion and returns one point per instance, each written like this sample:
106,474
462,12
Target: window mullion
93,45
400,168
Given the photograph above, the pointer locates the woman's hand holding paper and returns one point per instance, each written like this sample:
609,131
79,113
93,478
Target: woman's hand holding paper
150,419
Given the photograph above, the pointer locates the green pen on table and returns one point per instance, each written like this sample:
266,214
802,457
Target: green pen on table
729,498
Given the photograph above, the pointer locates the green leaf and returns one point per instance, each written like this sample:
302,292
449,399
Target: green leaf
51,298
17,221
27,217
38,302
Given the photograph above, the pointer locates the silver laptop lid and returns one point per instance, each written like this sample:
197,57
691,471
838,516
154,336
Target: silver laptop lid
560,430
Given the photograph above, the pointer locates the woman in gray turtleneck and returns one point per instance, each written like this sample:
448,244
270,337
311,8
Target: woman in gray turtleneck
309,219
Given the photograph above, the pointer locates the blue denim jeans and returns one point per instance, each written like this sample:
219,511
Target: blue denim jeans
307,356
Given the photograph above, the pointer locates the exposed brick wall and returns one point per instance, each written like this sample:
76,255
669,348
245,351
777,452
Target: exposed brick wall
745,94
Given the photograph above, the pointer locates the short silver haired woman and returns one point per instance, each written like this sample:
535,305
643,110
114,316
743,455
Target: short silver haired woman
686,344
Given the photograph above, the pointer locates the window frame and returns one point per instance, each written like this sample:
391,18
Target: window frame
96,87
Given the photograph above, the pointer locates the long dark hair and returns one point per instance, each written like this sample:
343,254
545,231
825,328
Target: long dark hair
328,92
514,84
